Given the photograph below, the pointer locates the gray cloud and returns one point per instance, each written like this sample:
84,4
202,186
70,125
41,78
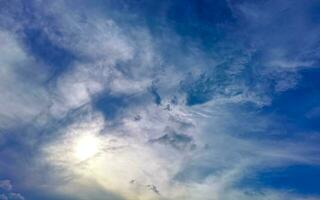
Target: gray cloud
178,141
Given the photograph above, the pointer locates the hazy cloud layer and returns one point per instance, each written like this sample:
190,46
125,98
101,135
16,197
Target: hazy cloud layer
99,101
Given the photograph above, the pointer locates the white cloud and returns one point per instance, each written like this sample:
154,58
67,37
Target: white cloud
22,97
277,33
125,155
125,61
126,162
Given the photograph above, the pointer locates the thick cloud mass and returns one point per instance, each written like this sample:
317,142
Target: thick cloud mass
159,100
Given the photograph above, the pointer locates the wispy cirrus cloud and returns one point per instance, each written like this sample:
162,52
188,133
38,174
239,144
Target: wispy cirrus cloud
137,114
17,68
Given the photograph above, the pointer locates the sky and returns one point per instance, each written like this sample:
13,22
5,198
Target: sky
160,100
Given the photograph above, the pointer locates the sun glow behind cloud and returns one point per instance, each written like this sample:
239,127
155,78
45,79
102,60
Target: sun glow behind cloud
86,147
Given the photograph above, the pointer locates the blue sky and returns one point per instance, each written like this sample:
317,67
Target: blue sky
159,100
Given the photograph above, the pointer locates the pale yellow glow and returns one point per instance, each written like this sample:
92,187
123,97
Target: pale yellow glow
86,147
